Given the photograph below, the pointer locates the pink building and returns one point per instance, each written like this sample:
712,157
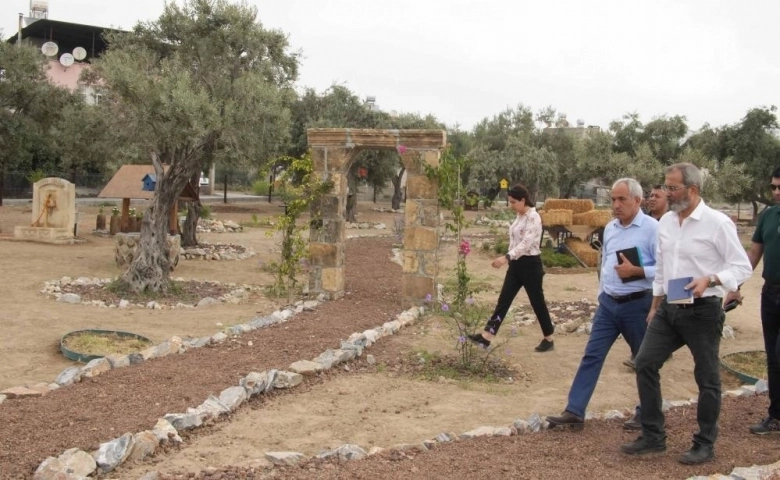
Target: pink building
69,48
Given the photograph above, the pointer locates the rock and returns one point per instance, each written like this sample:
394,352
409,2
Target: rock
111,454
219,337
306,367
21,392
144,445
284,458
375,450
486,431
233,397
72,464
761,386
205,302
95,367
118,361
445,437
164,431
69,298
534,423
184,421
351,452
728,332
254,383
287,380
68,376
614,415
124,303
213,407
370,359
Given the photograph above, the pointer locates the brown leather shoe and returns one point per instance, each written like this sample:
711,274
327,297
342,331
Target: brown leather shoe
567,419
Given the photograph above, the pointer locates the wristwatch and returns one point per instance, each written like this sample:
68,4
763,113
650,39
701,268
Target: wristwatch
508,257
713,282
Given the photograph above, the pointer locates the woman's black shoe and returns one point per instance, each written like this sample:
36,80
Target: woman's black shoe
479,339
545,346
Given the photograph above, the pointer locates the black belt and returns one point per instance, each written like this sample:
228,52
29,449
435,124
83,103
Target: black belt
697,302
630,296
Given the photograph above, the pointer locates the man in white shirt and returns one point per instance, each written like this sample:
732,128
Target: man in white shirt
698,242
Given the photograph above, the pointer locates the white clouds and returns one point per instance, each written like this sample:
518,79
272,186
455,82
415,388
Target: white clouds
464,60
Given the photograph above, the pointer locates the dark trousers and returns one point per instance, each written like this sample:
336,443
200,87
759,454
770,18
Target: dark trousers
523,272
699,327
770,321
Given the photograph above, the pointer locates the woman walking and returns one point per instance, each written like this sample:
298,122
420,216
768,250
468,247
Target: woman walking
525,270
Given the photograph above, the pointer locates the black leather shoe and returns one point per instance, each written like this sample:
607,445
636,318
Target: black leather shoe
697,454
567,419
545,346
635,423
479,340
642,446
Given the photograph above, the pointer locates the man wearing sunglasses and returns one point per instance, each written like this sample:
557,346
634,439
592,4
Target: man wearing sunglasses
701,243
766,245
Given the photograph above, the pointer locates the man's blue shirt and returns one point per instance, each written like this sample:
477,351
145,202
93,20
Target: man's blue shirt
642,233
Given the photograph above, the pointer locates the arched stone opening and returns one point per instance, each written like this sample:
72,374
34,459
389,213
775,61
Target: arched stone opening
333,150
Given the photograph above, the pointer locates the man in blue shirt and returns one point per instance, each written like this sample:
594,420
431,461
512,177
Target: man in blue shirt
625,295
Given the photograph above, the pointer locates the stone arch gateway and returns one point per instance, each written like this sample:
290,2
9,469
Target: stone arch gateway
333,151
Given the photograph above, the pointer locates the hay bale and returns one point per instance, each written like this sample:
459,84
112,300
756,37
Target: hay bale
579,219
555,217
597,218
576,205
584,251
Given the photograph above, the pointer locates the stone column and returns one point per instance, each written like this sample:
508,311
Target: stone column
421,231
326,240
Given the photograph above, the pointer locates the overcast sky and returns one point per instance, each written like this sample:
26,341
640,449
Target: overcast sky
710,60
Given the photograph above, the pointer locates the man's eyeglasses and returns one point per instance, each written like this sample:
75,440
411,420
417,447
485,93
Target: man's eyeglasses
774,187
673,188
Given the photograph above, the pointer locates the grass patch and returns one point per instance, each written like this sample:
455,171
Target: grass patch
749,363
104,344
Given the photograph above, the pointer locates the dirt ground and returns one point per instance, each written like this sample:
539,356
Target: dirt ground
368,406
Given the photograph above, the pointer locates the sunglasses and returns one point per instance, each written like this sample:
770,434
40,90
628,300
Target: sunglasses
774,187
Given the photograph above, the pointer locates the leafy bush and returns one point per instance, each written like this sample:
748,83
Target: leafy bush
551,258
260,187
205,211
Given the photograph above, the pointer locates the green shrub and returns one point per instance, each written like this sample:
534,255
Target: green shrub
205,211
551,258
260,187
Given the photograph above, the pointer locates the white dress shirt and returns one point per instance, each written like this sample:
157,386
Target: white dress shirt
705,244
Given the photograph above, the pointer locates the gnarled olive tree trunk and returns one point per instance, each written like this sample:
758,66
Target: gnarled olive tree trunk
151,267
189,234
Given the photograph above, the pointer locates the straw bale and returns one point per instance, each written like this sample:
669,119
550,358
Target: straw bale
597,218
555,217
576,205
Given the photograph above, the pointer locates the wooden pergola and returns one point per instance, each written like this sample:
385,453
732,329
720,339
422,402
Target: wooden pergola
127,184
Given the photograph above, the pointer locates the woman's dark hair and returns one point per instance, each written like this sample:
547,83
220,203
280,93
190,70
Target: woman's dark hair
519,192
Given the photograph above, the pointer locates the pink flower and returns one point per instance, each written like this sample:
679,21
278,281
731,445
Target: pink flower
401,149
465,248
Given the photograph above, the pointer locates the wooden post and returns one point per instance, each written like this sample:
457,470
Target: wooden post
125,215
174,218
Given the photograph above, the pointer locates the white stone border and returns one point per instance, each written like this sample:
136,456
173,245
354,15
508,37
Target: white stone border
53,288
